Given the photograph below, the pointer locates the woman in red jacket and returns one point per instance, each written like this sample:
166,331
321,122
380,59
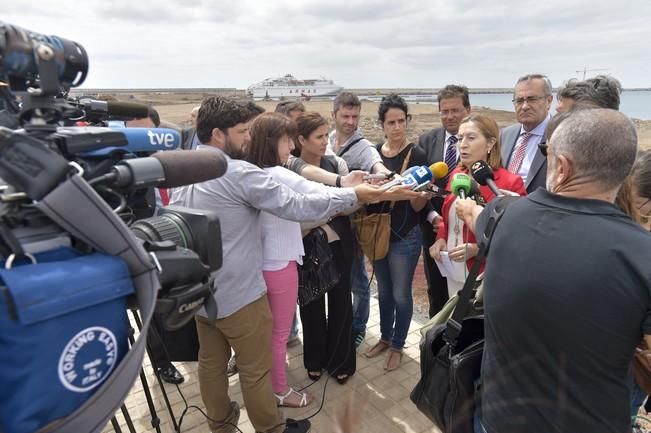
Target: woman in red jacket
479,139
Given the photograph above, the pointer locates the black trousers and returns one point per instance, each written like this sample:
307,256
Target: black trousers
327,341
437,285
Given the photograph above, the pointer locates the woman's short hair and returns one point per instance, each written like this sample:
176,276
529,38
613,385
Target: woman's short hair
392,100
489,129
306,125
266,131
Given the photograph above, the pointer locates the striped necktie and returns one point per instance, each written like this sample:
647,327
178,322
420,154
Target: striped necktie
520,151
450,157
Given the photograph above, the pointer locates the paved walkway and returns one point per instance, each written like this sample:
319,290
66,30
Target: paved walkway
380,399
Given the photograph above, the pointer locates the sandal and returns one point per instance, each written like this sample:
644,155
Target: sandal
394,358
376,350
314,375
342,378
305,398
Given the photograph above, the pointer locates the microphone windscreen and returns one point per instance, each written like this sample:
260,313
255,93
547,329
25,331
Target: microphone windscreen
126,110
461,182
439,169
482,172
185,167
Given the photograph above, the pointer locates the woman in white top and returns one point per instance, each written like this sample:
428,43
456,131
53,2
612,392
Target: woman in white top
271,144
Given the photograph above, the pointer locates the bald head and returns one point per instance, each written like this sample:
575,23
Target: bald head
601,144
193,116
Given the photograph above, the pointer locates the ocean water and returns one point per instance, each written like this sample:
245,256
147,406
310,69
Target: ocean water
634,103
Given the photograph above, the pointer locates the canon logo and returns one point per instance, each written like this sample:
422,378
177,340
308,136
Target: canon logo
184,308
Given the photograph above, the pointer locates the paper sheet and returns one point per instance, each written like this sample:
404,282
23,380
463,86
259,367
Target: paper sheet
451,269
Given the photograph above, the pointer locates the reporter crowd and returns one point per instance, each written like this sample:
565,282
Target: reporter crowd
566,287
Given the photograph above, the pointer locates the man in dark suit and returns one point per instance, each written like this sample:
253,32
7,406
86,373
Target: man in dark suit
440,145
532,98
189,138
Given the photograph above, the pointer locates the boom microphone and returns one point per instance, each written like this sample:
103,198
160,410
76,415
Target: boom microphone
113,110
483,174
184,167
167,169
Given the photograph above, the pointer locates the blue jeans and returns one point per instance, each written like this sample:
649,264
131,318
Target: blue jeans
361,290
395,274
637,399
478,426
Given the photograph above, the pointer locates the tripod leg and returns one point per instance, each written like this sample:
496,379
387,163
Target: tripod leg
116,425
155,421
127,418
153,338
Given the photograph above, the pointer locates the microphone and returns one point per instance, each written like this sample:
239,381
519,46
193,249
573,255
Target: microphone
439,169
146,140
184,167
419,176
167,169
483,174
461,185
113,110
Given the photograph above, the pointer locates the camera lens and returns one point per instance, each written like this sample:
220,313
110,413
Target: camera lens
168,227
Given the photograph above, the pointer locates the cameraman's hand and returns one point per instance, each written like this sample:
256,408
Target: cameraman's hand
353,178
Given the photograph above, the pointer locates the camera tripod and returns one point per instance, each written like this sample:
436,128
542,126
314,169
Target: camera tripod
155,420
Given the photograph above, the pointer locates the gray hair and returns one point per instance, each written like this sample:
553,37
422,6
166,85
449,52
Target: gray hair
601,143
529,77
602,91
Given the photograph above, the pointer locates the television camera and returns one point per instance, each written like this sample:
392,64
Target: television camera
76,189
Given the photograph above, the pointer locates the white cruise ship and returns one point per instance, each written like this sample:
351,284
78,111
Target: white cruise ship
290,87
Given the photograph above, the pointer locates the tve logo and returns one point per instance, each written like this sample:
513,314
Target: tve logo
162,138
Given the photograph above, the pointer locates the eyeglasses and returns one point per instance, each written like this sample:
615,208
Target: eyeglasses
529,100
543,148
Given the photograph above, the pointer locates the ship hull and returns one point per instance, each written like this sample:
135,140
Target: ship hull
277,92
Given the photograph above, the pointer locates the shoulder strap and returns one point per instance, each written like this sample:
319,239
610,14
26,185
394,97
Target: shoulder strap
454,323
331,162
94,222
404,167
348,146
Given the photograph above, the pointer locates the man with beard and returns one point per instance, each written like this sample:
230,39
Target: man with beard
243,317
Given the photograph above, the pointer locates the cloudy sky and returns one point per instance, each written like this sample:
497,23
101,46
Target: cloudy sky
357,43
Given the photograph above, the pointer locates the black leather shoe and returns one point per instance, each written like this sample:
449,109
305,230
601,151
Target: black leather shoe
171,375
297,426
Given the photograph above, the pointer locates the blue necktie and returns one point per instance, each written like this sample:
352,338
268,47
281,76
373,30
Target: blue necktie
451,156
